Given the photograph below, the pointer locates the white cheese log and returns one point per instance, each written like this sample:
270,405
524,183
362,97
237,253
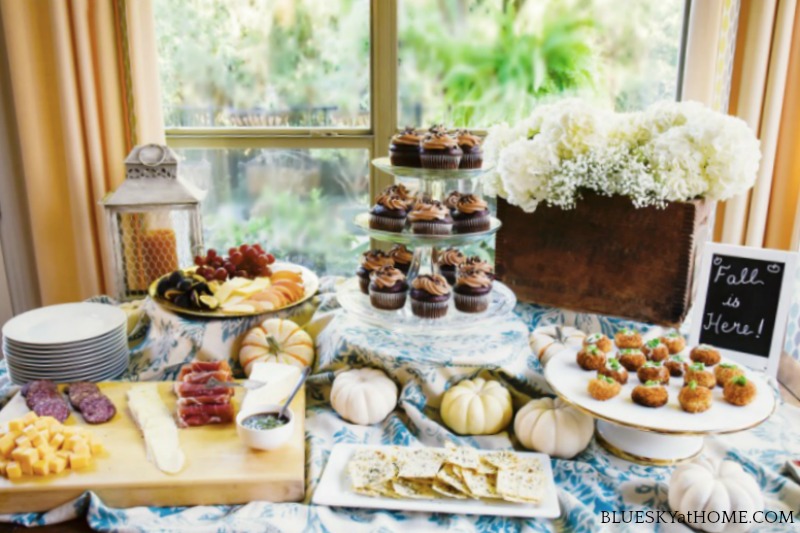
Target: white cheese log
158,428
280,379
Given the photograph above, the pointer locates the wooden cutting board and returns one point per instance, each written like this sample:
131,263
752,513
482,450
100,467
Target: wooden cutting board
219,469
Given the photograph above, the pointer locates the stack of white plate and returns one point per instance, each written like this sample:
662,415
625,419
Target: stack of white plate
67,343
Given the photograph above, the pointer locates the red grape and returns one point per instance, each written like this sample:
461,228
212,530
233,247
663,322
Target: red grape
243,248
236,258
251,254
230,268
242,274
198,260
211,253
270,259
231,251
259,248
262,260
221,274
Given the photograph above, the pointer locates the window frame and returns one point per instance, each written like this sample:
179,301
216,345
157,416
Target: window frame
383,105
375,139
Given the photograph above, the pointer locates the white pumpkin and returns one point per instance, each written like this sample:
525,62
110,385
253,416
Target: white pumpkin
363,396
477,407
276,341
544,341
553,427
721,486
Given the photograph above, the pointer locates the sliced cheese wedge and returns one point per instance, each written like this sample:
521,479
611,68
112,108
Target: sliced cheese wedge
158,428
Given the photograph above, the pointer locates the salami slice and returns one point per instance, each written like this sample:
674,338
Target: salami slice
33,386
80,390
55,407
39,395
97,408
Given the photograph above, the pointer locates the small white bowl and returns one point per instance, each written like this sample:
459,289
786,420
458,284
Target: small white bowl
264,439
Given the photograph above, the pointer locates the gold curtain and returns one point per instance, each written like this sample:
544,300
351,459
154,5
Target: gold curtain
765,93
74,86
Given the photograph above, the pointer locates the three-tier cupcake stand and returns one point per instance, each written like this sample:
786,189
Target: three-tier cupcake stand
434,184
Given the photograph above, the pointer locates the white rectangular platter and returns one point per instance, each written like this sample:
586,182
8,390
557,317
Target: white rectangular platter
334,490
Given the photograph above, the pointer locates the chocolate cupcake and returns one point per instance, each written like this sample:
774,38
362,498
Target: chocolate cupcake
440,151
388,289
449,261
471,291
389,213
471,215
402,257
430,295
371,261
430,218
451,201
404,149
472,151
478,263
398,189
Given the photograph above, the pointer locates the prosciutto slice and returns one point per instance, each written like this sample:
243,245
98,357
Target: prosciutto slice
198,415
199,404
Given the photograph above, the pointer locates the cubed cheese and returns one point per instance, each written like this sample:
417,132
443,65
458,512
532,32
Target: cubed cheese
81,448
62,453
29,418
56,441
58,464
97,448
7,444
13,470
3,465
30,431
78,461
25,456
40,424
23,442
41,468
16,425
27,469
38,439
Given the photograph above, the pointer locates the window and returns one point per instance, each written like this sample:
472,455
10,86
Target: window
277,106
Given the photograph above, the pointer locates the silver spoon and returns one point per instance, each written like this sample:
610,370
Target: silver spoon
285,407
248,384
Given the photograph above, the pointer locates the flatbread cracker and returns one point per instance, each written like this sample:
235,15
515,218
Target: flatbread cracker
443,488
417,490
449,476
422,463
480,485
501,459
517,486
464,457
369,474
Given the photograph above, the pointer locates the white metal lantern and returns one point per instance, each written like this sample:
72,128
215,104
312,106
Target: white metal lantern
154,220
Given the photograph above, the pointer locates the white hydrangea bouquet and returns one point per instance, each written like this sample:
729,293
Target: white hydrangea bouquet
672,151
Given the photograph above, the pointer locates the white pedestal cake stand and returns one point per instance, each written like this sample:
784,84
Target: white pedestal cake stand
434,184
661,436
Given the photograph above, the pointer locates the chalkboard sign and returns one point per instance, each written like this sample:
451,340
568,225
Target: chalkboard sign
743,298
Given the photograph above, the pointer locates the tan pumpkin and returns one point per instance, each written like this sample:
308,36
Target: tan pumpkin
277,341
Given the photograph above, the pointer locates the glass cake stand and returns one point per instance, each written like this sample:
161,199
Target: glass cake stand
434,184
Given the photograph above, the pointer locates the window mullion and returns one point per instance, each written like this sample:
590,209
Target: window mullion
383,73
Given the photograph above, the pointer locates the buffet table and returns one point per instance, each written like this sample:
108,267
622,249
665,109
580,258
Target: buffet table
592,483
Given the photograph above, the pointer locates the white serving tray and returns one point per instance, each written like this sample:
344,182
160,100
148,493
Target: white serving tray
334,490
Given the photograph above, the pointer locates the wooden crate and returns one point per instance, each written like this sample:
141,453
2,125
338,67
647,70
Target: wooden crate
605,256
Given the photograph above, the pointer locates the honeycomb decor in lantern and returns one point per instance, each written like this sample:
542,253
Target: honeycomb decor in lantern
154,221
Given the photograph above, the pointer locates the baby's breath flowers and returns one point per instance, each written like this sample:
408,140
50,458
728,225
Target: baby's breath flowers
672,151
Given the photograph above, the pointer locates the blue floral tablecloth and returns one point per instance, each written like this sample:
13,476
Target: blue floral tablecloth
593,482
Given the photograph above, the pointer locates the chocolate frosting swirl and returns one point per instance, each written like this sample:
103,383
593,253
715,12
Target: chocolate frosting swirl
375,259
392,201
398,189
465,138
428,211
409,136
452,200
439,141
473,278
401,254
469,203
432,284
478,264
387,277
450,257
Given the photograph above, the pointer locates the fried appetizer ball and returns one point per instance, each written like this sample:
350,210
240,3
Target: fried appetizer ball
653,371
739,391
631,359
615,371
694,399
697,372
651,394
724,372
676,365
655,350
591,358
674,341
603,388
628,338
703,353
599,340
